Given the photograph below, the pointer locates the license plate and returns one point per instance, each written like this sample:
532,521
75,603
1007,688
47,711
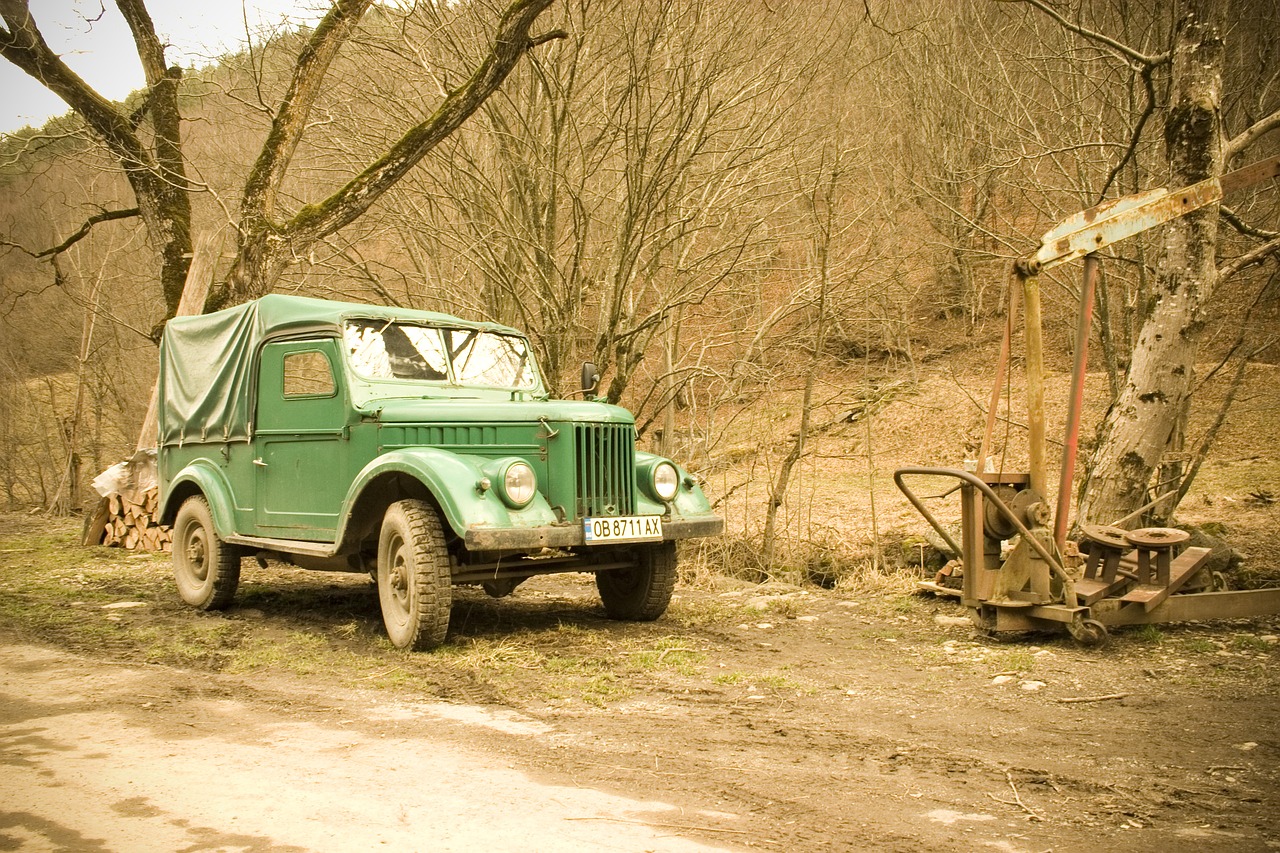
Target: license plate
625,528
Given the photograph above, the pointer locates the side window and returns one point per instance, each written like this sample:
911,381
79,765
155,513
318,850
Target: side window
308,374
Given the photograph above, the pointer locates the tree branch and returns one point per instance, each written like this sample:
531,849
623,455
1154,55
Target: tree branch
1134,138
24,46
157,176
291,118
510,43
1211,434
1248,259
1251,135
1234,220
1123,50
104,216
150,50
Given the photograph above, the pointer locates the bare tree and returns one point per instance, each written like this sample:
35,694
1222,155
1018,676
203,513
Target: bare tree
618,181
1151,414
155,167
269,239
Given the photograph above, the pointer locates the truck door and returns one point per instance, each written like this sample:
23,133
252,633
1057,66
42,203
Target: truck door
300,441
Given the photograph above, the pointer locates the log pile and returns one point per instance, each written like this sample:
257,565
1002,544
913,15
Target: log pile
121,522
128,514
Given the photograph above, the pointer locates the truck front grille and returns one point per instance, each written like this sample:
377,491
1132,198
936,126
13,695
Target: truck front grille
606,465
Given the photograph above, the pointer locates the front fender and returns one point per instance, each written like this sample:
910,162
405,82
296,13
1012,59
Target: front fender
208,479
453,480
690,501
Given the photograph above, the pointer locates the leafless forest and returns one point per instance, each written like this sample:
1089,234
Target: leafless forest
760,218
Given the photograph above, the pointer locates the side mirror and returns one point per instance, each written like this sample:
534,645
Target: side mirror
590,378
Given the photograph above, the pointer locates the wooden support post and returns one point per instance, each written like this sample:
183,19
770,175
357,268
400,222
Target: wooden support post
1076,404
1035,383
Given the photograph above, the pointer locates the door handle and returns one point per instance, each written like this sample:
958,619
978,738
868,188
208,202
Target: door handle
259,462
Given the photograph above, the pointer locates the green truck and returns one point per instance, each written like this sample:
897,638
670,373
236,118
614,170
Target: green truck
419,447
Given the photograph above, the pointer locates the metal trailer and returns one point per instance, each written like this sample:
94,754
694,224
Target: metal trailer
1130,577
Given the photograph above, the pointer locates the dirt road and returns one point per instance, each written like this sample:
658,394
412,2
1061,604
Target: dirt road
114,758
751,716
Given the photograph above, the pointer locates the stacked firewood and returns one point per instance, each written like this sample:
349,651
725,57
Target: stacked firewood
134,525
128,514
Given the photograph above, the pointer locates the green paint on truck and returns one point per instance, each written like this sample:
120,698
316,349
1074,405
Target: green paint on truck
416,446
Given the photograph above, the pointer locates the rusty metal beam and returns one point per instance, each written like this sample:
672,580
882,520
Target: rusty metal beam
1197,606
1112,221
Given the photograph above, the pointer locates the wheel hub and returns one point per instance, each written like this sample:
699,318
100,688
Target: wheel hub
398,579
196,557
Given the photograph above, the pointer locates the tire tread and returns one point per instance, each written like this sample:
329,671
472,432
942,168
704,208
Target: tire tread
224,559
432,579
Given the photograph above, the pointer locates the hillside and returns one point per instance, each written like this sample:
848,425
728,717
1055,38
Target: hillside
711,208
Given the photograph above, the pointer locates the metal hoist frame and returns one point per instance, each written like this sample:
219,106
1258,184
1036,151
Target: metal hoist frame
1130,576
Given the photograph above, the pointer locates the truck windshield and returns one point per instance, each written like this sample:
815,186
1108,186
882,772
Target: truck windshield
389,349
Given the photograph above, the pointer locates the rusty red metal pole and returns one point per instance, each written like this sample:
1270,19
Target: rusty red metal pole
1076,404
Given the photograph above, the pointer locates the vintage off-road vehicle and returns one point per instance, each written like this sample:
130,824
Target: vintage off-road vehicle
416,446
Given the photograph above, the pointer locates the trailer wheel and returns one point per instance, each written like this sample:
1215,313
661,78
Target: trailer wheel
415,582
641,592
206,569
1088,632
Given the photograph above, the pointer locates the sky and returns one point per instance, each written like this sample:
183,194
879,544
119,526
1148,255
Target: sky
94,40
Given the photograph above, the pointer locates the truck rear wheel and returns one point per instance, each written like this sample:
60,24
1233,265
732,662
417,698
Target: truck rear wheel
415,583
206,569
642,592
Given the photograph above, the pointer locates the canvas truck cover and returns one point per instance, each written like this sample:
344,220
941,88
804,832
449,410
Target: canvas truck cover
207,361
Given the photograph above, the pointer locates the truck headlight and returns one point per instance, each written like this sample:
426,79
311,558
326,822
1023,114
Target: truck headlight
666,481
519,484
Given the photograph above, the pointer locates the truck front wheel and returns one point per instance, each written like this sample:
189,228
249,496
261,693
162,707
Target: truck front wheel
206,569
642,592
415,584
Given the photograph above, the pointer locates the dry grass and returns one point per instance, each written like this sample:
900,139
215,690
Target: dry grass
844,517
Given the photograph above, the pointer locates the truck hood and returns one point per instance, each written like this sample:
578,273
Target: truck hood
453,410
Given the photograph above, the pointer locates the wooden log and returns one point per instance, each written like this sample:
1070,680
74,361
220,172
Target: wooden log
95,525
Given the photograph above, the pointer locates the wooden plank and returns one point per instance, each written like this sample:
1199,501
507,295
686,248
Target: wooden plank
96,524
1092,591
1181,569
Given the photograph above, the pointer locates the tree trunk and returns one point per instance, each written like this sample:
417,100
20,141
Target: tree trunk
267,246
1149,416
157,174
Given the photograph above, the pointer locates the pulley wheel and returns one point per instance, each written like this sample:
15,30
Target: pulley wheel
1107,536
1156,538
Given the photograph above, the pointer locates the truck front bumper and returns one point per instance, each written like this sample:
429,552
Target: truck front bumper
570,534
